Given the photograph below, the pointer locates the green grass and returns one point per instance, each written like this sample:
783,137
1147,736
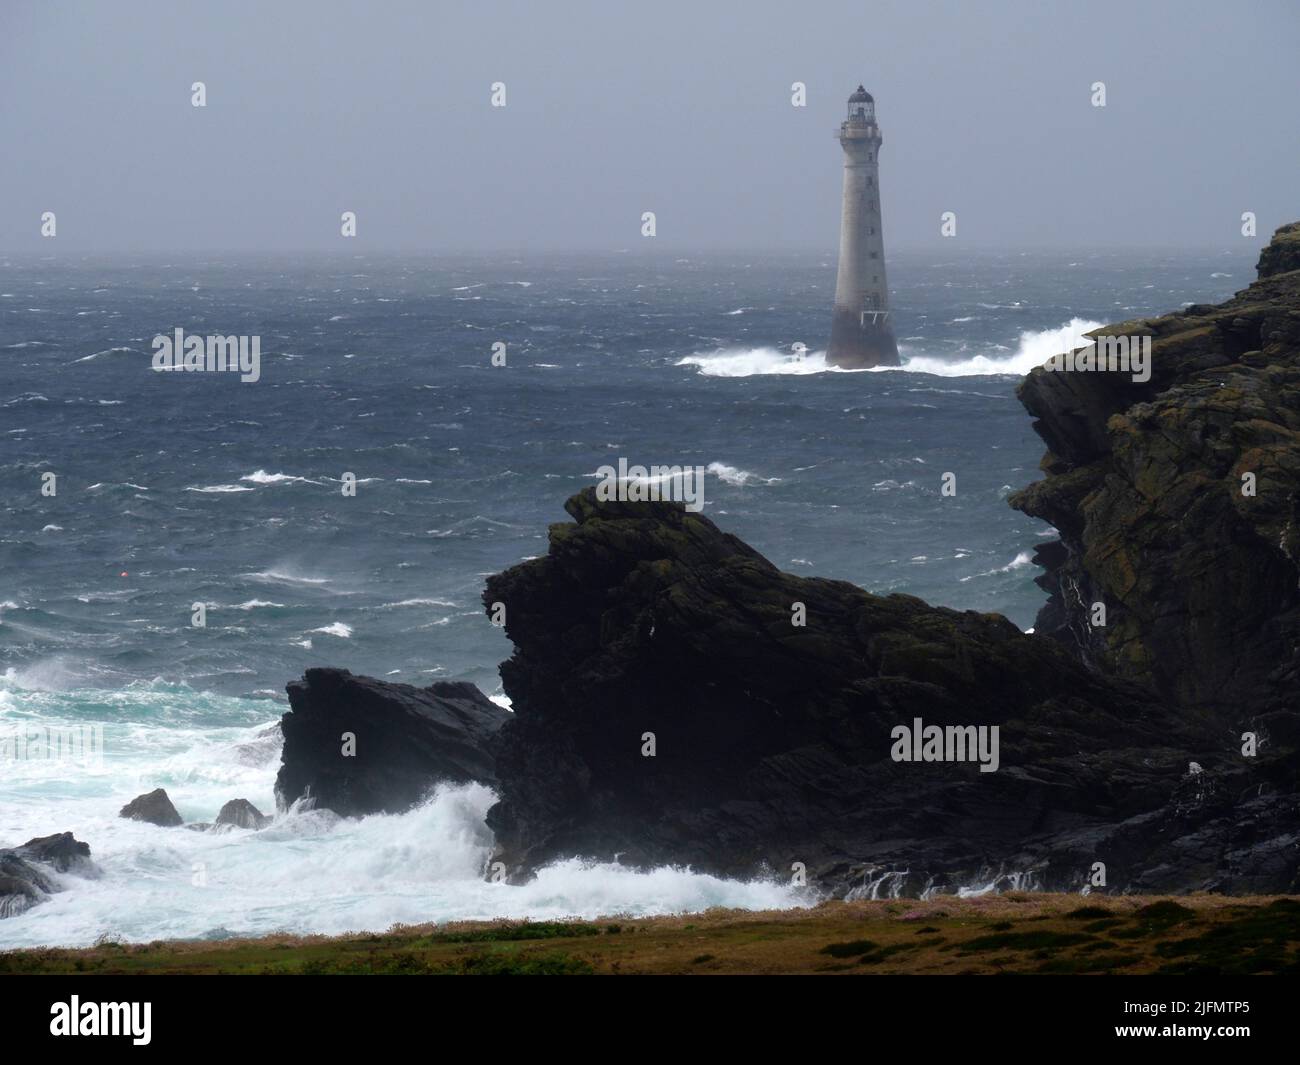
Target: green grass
1020,933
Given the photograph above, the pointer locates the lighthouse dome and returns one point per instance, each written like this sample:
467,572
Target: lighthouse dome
861,97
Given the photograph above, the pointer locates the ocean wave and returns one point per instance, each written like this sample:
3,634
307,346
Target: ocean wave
757,362
285,578
311,872
1024,558
262,477
106,351
473,528
732,475
342,631
221,488
1033,349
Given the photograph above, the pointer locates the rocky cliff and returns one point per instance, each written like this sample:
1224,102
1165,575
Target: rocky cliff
1178,504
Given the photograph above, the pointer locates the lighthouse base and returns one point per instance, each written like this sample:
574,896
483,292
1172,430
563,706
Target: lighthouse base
859,345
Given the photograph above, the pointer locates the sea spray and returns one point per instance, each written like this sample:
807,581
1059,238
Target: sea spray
1033,349
309,871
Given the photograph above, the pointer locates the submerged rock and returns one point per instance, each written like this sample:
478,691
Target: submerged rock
240,813
360,746
154,807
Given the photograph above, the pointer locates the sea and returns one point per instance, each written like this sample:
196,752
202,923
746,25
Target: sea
345,508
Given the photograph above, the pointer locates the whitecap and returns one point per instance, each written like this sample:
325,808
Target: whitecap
221,488
733,475
342,631
262,477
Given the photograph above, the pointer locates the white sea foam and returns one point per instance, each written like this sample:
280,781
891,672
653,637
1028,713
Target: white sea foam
342,631
309,871
221,488
754,362
1024,558
740,478
262,477
106,351
1033,349
286,578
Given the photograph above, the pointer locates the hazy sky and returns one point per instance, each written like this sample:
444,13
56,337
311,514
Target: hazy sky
383,108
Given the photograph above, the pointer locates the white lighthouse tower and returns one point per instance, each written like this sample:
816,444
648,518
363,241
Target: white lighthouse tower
862,334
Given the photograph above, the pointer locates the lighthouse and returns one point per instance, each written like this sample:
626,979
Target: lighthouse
862,334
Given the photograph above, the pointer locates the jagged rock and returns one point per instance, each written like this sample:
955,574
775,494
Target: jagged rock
24,883
406,740
240,813
62,851
155,808
773,741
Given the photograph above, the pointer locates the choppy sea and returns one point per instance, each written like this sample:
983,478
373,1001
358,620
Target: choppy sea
172,490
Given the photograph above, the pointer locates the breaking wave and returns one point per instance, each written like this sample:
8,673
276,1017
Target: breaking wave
309,871
1033,349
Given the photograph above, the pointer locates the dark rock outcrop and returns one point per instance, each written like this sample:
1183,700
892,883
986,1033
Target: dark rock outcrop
240,813
154,807
25,878
62,851
1282,254
404,740
773,741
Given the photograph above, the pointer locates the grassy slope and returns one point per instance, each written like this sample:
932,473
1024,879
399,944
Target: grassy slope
999,934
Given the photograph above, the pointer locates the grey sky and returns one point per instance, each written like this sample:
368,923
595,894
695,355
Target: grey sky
614,109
